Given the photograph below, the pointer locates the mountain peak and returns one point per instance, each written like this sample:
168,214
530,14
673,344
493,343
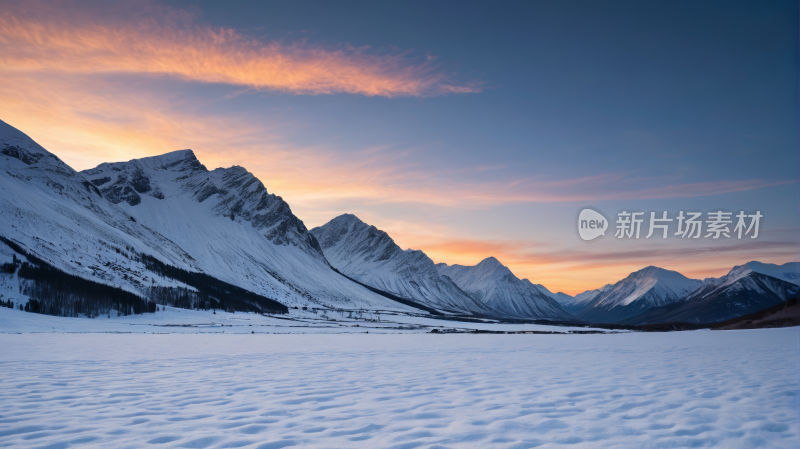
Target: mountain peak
183,154
490,262
640,291
347,218
496,286
789,272
370,256
8,131
170,159
656,272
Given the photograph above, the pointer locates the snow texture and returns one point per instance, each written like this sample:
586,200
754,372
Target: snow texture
656,390
311,321
495,285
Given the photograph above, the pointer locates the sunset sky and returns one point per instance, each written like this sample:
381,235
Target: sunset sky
463,129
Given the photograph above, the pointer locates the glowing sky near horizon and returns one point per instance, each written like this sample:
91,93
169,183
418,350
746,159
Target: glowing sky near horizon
466,130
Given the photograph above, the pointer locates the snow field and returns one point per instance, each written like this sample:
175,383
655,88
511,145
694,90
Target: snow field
174,320
638,390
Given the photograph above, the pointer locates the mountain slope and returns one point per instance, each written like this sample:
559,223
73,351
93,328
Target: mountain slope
371,257
789,272
576,304
496,286
641,291
61,218
163,223
740,292
232,227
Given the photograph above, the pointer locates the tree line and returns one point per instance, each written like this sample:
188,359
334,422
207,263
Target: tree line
55,292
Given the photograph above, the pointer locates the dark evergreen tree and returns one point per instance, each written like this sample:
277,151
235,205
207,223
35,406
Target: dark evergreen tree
228,297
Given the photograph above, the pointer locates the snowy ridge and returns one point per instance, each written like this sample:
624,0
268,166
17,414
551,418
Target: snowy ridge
233,227
170,207
496,286
370,256
54,212
741,291
788,272
646,289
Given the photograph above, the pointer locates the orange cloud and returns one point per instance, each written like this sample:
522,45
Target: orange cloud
173,44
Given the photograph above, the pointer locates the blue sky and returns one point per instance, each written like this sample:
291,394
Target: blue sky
492,123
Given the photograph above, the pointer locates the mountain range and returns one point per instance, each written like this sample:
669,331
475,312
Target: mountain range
166,230
496,286
166,222
747,288
370,256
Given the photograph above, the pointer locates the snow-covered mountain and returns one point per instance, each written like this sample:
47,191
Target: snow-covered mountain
114,223
167,222
57,215
232,227
371,257
788,272
641,291
575,304
745,289
496,286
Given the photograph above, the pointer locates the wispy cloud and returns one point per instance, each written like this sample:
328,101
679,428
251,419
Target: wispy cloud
173,43
58,59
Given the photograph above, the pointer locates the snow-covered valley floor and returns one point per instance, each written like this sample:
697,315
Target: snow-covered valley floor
680,389
326,321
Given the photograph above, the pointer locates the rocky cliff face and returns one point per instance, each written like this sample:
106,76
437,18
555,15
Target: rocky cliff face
232,192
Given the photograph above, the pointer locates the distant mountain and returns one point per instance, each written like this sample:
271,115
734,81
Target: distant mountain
789,272
745,289
641,291
165,222
496,286
575,304
370,256
560,297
